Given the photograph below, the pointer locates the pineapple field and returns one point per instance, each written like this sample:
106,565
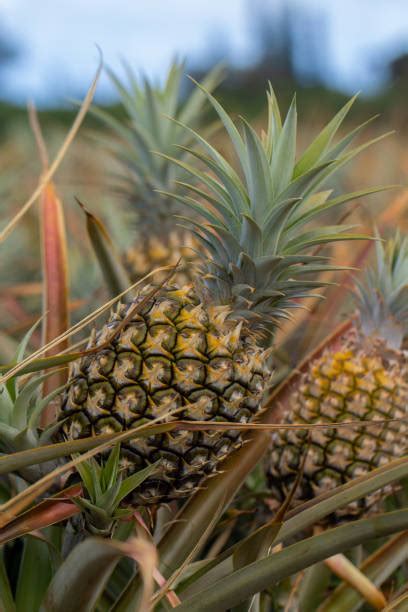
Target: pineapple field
203,366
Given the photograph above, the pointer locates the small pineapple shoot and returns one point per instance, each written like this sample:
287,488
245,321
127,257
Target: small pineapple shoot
106,493
21,407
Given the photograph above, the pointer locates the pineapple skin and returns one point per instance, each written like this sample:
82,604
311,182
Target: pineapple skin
155,251
175,354
357,382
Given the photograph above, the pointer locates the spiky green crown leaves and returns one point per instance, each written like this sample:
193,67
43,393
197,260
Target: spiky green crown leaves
147,128
264,223
106,490
382,297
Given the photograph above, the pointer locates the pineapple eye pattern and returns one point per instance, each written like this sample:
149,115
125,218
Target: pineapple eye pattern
168,368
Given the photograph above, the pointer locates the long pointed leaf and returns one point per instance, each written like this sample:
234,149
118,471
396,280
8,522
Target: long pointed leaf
318,147
48,512
34,575
114,273
96,559
378,568
254,578
55,275
6,596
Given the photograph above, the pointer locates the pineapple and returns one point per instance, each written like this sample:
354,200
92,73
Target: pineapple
202,348
363,378
159,240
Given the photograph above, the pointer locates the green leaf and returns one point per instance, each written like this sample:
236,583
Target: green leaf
41,364
86,473
313,511
39,407
252,548
254,578
259,181
194,104
98,513
24,398
11,384
313,587
304,216
6,597
303,517
68,591
224,171
17,504
34,575
341,146
259,544
24,343
378,568
109,474
274,122
283,159
319,146
95,559
7,437
108,500
201,510
322,235
135,480
232,131
16,461
340,162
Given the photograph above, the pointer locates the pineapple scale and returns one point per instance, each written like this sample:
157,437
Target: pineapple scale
347,385
170,248
175,354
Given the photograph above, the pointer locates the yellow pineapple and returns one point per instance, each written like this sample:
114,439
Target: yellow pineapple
153,252
363,378
199,348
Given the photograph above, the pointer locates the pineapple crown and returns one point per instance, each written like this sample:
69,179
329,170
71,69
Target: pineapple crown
382,297
260,233
147,128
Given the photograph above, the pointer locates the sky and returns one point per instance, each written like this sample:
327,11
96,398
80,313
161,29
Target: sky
58,38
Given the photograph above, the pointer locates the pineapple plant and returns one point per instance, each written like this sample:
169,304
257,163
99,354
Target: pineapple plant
364,377
70,526
202,349
146,129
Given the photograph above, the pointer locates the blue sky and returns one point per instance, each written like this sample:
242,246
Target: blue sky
58,38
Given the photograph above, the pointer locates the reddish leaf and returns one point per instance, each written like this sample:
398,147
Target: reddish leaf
46,513
55,274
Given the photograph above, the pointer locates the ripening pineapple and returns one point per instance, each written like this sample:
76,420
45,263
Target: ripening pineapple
159,239
363,378
152,252
200,348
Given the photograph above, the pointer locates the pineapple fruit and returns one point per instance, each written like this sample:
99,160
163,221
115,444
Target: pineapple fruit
151,125
202,348
365,378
